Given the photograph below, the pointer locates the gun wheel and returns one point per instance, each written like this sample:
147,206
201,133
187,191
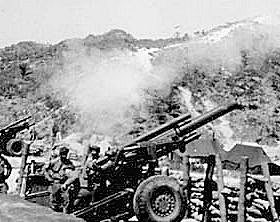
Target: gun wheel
159,199
163,203
14,147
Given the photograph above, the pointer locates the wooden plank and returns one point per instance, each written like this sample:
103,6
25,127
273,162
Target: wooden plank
220,181
259,178
243,183
176,161
186,167
207,193
269,191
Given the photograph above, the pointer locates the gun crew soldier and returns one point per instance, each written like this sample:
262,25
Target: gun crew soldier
90,174
5,172
64,181
93,170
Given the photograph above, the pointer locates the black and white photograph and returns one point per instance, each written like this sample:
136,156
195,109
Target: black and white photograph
139,110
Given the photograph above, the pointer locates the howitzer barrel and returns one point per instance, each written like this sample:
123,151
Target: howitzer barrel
14,123
183,125
183,128
161,129
207,117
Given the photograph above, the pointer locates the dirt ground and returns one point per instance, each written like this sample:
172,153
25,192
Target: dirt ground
14,209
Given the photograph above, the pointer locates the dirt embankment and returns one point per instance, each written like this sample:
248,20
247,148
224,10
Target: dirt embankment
14,209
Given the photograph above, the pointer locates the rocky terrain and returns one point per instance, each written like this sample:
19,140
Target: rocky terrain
120,86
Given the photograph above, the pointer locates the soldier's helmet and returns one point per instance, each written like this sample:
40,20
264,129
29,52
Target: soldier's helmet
94,148
63,150
110,152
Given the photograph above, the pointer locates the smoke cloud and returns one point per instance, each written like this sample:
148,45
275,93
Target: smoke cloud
107,89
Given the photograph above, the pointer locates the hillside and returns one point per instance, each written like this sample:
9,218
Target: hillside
117,85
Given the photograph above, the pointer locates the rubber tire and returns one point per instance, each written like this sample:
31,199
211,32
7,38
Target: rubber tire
144,194
15,147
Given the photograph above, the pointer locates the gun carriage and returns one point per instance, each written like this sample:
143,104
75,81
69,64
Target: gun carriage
130,183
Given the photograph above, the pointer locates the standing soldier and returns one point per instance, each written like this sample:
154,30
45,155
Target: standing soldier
90,176
33,134
56,134
5,172
54,152
92,169
64,181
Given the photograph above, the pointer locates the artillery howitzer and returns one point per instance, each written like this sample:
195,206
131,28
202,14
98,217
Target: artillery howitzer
9,145
134,190
134,186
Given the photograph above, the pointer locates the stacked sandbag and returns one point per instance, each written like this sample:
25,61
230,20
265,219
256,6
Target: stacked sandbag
196,198
231,195
258,208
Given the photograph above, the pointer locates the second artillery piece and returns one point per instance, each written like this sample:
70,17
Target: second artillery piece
9,144
130,184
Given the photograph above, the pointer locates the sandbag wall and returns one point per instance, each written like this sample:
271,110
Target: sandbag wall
257,204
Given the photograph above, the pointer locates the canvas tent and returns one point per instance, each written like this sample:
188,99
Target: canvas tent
256,155
231,160
199,149
204,147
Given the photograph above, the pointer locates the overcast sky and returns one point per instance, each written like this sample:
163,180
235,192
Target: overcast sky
54,20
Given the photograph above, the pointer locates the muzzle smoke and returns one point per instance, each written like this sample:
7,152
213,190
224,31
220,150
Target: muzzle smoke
107,88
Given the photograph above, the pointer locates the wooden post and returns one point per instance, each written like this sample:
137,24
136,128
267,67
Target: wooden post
186,178
25,152
242,196
186,167
22,188
207,193
269,191
177,161
220,182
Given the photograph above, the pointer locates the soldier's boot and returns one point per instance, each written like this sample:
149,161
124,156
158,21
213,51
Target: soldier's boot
3,188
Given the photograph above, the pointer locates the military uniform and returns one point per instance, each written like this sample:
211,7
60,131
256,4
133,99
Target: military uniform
64,183
93,173
92,169
5,172
54,152
90,177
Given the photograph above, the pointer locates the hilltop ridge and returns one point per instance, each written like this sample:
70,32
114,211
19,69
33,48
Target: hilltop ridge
238,60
